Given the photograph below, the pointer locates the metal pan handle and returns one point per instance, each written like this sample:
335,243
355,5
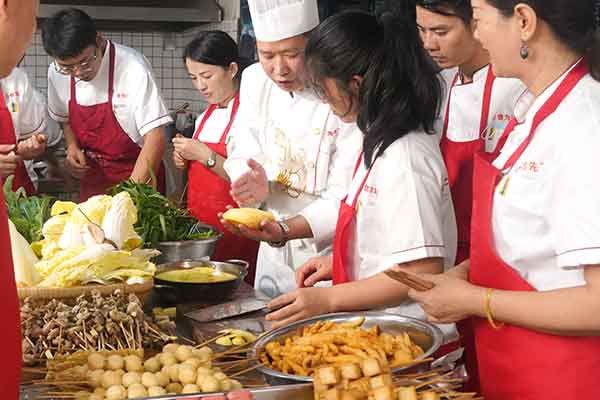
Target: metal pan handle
242,263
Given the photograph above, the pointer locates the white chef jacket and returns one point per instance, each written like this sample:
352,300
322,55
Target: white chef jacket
298,136
467,103
137,102
546,221
28,112
404,213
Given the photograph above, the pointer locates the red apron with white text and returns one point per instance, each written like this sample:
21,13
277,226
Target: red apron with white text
515,362
458,157
208,195
10,334
8,136
344,231
110,153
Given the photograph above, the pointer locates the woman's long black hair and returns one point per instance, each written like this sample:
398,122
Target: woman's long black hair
400,91
215,48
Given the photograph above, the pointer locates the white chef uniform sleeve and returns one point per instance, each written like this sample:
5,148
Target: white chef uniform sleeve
322,214
31,117
148,106
575,201
409,214
245,132
58,93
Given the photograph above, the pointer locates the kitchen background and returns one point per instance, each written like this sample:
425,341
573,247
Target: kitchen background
163,43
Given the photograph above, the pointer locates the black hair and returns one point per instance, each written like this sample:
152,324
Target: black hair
452,8
400,91
215,48
575,23
68,33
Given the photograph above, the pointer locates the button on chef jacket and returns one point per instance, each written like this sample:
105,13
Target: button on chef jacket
28,112
404,213
137,102
546,215
467,102
298,136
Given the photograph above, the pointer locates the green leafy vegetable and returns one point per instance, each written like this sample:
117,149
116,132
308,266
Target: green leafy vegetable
28,213
159,219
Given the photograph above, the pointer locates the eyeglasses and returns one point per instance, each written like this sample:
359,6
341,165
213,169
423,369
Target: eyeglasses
84,66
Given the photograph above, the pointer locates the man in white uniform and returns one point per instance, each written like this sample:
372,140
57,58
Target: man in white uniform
107,99
32,133
290,154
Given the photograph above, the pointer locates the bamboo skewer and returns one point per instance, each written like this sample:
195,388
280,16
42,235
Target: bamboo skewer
246,370
210,340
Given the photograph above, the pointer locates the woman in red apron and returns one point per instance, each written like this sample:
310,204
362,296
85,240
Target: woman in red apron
16,30
534,299
214,66
398,211
478,108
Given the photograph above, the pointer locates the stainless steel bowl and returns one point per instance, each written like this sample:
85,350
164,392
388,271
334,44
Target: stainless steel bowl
429,337
188,250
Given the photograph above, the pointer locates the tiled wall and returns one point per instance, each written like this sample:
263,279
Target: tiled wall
166,61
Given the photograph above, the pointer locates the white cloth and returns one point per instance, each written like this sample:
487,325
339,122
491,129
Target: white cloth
467,104
215,126
28,112
137,103
404,213
546,222
298,136
275,20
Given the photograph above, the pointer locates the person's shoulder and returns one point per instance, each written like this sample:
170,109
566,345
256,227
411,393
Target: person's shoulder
131,61
17,76
255,77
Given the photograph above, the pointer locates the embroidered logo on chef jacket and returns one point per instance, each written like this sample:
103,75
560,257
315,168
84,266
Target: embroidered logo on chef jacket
494,131
13,101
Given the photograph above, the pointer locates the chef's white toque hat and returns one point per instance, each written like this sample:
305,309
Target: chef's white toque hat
275,20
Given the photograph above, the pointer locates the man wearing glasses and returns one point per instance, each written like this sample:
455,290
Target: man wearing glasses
108,101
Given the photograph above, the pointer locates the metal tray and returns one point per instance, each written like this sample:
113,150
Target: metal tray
424,334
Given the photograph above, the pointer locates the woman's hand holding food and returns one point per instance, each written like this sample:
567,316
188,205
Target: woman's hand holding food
315,270
191,149
299,304
452,299
179,161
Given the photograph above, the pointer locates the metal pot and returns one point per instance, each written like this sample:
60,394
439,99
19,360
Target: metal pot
428,336
183,292
189,250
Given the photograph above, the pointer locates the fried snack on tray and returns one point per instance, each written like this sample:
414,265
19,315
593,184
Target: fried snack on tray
327,343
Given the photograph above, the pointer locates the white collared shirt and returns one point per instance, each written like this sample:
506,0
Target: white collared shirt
466,106
137,102
404,211
546,211
215,125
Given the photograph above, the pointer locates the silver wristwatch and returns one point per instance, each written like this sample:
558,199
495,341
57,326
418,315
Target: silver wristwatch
286,231
212,160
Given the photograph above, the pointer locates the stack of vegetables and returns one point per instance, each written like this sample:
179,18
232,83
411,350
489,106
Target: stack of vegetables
93,242
159,219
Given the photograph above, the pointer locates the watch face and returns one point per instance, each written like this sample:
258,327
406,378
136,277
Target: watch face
212,161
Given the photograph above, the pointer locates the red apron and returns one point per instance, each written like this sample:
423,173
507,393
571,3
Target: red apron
8,136
10,334
110,152
514,362
458,157
208,195
344,231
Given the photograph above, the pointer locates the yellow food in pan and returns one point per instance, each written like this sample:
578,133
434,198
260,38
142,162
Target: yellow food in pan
196,275
329,343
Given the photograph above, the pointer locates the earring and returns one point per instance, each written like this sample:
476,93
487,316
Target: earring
524,51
